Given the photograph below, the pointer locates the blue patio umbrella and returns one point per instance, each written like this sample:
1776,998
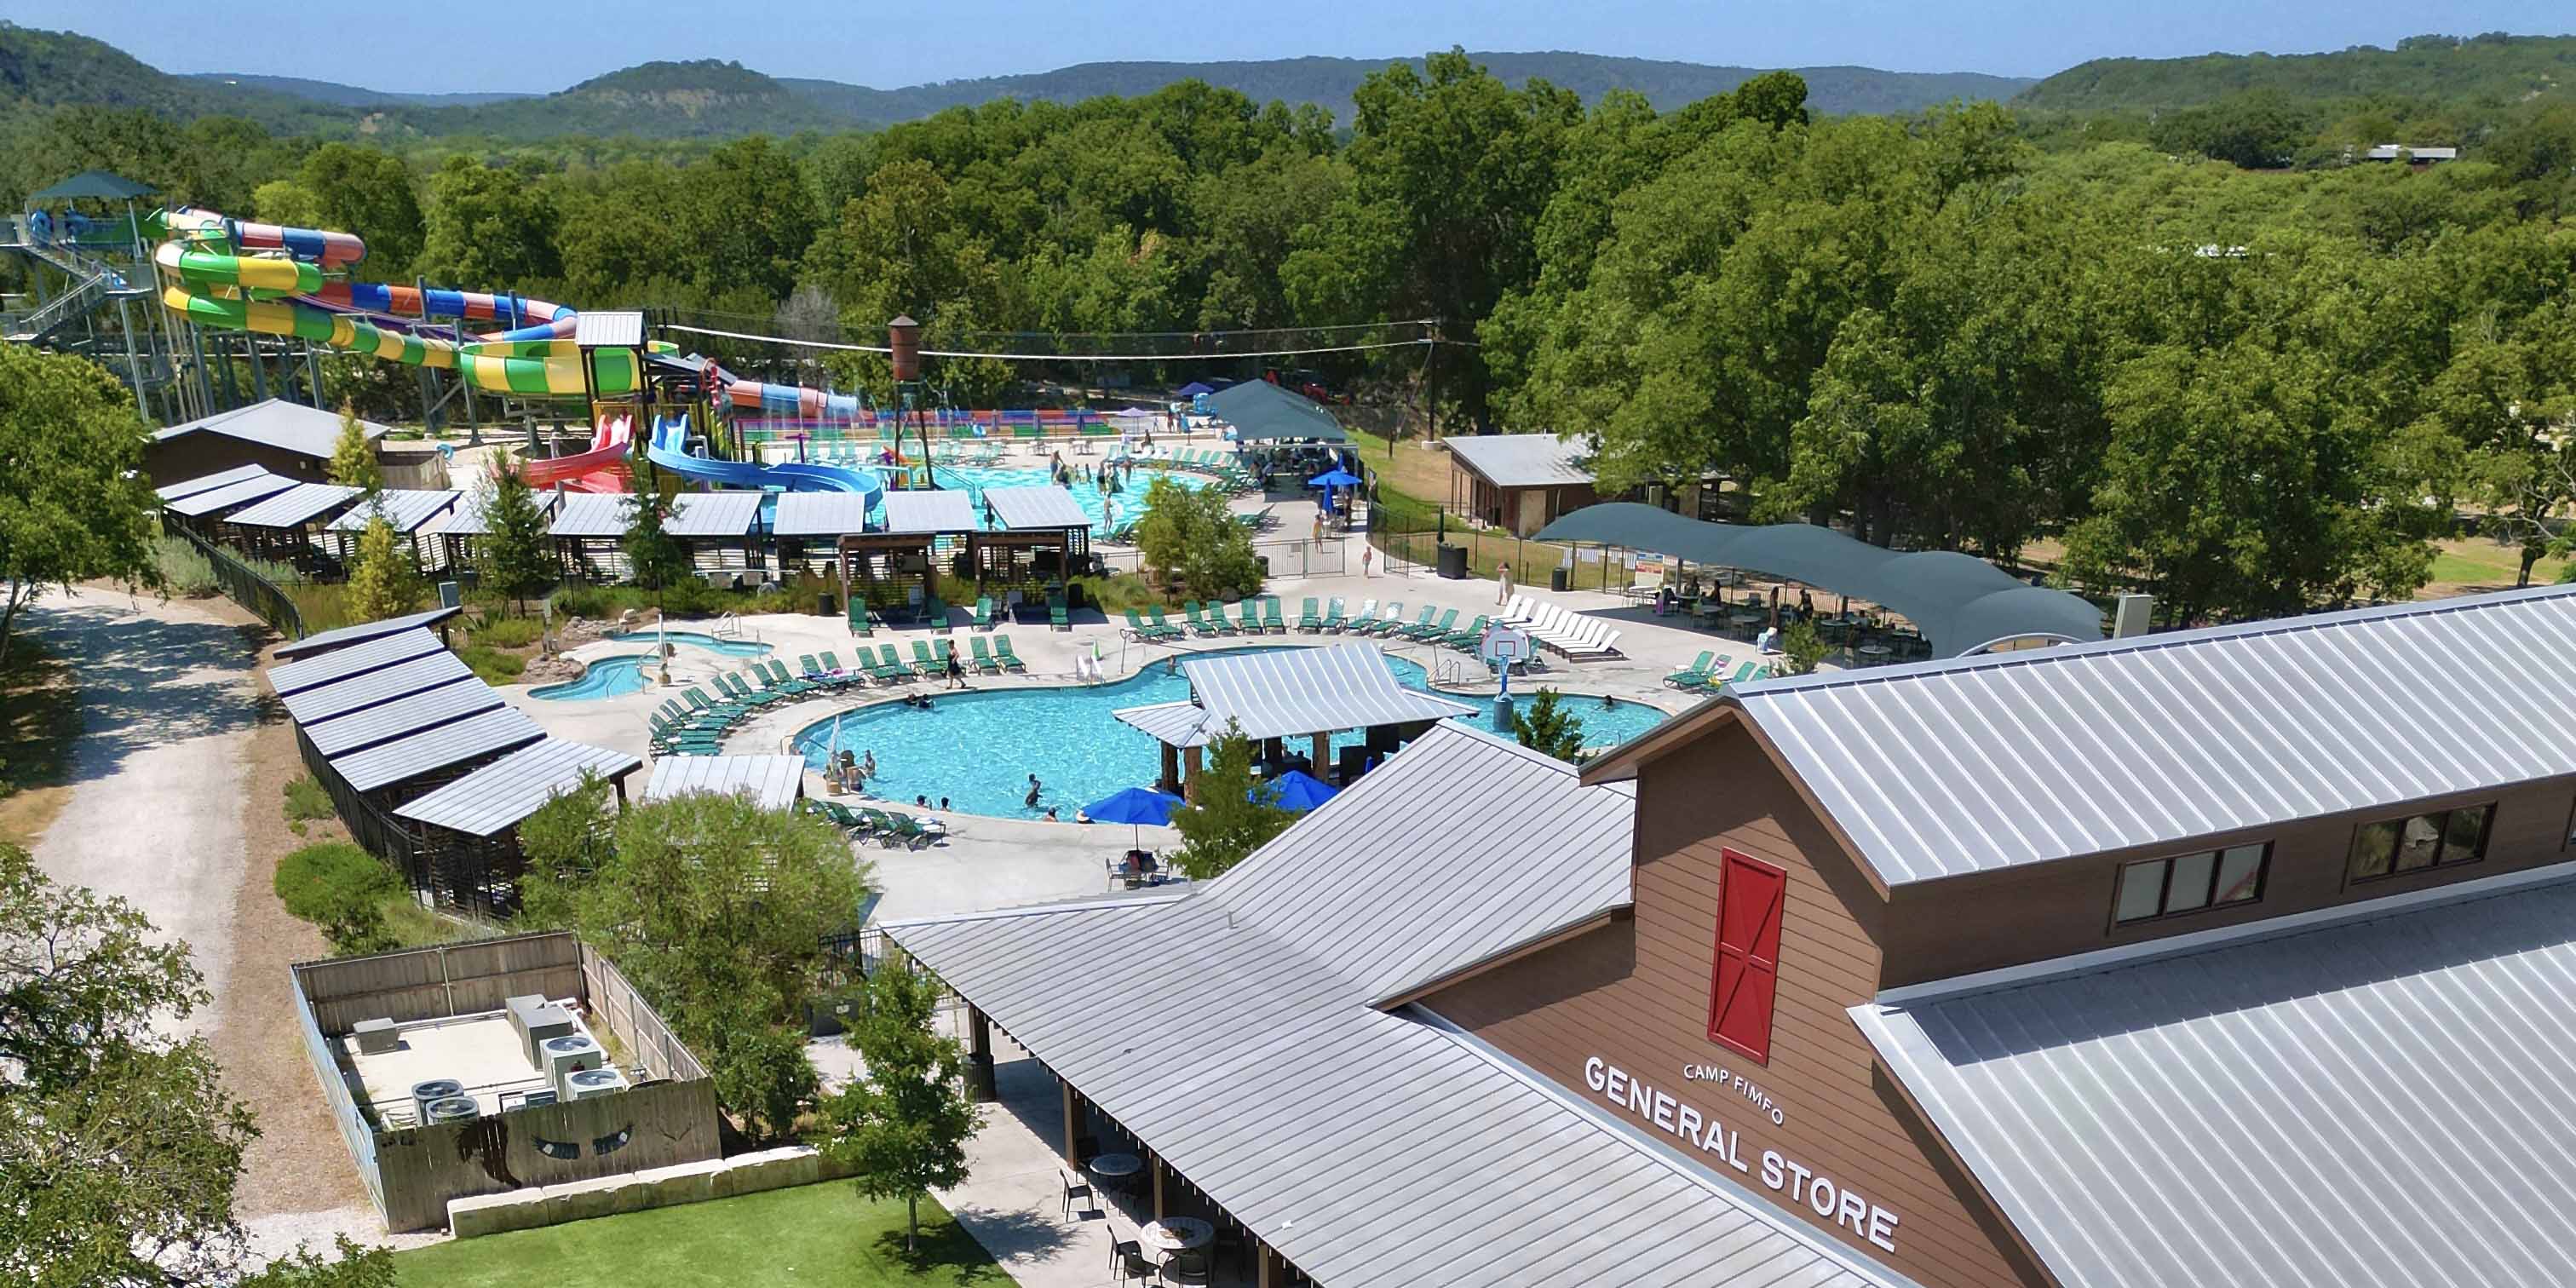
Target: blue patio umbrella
1194,388
1300,791
1135,805
1335,477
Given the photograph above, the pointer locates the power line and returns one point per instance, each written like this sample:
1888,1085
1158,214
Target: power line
1059,357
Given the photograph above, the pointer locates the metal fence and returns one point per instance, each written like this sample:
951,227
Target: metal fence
1409,537
1291,558
244,586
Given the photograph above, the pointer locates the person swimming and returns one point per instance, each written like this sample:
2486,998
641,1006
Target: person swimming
1031,800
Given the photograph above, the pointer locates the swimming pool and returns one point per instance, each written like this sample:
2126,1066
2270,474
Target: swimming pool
607,677
1108,513
696,639
978,748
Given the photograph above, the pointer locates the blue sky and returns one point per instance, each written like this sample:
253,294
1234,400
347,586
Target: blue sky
479,45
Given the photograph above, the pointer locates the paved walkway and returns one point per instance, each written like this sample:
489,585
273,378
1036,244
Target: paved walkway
167,705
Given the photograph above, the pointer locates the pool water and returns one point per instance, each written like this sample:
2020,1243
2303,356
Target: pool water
696,639
608,677
978,748
1108,513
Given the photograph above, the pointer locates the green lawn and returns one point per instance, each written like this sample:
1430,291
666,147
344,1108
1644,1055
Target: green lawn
810,1235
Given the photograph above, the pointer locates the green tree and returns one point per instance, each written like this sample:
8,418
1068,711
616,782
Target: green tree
370,193
1232,811
353,455
714,907
1801,648
1189,535
903,1123
119,1146
488,228
74,506
515,553
341,889
654,557
384,575
1549,727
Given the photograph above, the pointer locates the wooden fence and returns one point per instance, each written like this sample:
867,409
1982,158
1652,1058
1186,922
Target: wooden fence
650,1125
343,1107
433,983
617,1007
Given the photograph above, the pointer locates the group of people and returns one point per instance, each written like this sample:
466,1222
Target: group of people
850,773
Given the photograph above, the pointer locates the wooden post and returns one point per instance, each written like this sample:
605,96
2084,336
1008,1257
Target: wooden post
1190,773
1171,768
1072,1122
1261,1262
1323,756
979,1055
1159,1171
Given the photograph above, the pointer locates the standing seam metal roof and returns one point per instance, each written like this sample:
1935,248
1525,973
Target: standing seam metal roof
1521,460
405,508
924,513
296,506
591,514
1021,509
229,495
468,519
1945,769
312,706
1232,1029
1291,691
209,482
773,782
341,637
502,793
820,514
402,717
356,659
2379,1103
609,329
287,426
430,750
714,514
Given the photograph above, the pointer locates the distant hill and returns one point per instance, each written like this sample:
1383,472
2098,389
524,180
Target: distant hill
703,98
44,68
2490,68
331,94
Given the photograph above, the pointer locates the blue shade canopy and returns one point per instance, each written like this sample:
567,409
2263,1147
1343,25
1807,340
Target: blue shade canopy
1140,805
1193,389
1301,791
1334,478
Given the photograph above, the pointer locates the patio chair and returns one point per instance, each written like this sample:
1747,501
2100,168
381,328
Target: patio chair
984,663
1136,627
1056,617
831,672
1441,631
789,684
1197,620
1127,1261
1466,641
700,702
1074,1189
912,833
1005,658
1387,619
1406,630
1163,628
1356,622
734,687
1594,649
935,612
943,651
1309,621
924,666
1694,675
983,612
1334,620
889,668
1271,621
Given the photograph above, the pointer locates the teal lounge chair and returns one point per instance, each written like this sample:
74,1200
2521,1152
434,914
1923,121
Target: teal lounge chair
984,663
1334,621
1467,640
1163,628
1309,621
924,665
779,679
1694,675
1003,655
1271,620
983,612
1436,632
1249,613
1056,617
1408,630
889,669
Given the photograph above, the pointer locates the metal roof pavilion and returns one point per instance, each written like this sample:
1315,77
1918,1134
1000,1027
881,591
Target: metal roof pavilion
1289,692
405,508
357,693
402,717
197,504
1260,410
1022,509
1949,768
468,518
714,514
322,642
430,750
501,794
927,513
2375,1097
1232,1028
590,514
1963,604
209,482
374,654
296,506
820,514
613,329
97,185
774,782
288,426
1521,460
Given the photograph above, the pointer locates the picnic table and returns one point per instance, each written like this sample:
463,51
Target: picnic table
1177,1234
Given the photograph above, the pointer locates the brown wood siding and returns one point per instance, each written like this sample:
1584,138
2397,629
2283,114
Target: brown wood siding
1636,995
194,456
1941,929
653,1125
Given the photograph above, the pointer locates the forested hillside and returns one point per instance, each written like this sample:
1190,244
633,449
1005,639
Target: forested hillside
2251,390
2492,68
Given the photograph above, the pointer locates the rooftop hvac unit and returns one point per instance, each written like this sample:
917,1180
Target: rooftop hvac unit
453,1109
562,1055
583,1084
424,1094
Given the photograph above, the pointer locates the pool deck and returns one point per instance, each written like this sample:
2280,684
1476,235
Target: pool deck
993,862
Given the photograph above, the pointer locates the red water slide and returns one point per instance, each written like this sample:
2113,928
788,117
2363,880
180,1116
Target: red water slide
601,469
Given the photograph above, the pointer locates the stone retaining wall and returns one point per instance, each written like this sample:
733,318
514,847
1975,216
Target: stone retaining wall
721,1178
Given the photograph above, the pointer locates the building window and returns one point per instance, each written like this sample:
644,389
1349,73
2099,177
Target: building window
1747,974
2396,846
2153,888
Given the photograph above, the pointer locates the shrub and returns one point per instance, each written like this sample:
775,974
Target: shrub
1118,592
184,568
306,802
508,632
341,889
1189,536
490,665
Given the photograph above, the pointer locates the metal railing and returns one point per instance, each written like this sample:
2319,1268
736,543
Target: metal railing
244,586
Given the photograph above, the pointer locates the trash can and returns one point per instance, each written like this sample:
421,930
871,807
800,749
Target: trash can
1453,562
1559,577
825,604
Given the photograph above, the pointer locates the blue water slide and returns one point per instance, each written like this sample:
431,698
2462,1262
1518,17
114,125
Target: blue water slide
668,449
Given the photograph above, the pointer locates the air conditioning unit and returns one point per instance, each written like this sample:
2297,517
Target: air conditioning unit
571,1051
429,1092
453,1109
582,1084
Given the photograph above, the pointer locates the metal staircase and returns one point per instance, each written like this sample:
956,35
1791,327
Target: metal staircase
92,283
